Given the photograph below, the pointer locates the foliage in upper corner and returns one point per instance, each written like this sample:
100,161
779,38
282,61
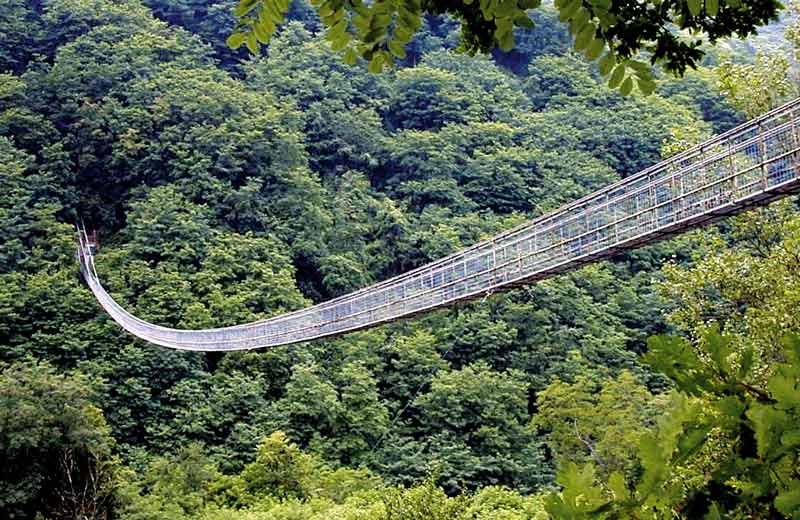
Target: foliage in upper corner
617,30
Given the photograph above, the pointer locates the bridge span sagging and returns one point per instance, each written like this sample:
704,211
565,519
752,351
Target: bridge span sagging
750,165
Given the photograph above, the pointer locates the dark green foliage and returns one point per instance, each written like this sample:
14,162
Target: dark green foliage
230,191
55,446
475,419
20,30
702,93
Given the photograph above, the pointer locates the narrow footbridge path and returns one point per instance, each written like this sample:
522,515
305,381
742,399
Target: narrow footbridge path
748,166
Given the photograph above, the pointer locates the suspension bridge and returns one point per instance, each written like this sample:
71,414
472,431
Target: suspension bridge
750,165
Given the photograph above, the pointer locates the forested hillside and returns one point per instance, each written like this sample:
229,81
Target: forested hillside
226,188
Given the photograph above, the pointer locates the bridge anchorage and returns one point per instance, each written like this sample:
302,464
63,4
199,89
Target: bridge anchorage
750,165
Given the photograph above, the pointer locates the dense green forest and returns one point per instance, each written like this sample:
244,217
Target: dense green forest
227,187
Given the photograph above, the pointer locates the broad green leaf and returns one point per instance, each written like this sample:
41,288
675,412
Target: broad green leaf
569,10
731,407
580,494
694,6
691,441
746,362
606,19
719,348
397,48
506,9
712,7
788,500
362,23
350,56
646,87
251,42
676,358
376,63
341,41
617,76
403,34
375,35
273,12
595,49
585,36
236,40
768,425
791,439
524,21
616,483
408,19
382,20
244,7
783,387
579,21
339,28
506,41
640,68
607,63
503,25
791,343
713,513
655,465
337,16
261,32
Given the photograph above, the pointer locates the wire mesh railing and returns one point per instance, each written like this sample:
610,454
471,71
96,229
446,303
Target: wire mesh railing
749,165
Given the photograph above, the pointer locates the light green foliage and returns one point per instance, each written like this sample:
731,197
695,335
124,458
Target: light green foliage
368,235
793,31
181,482
223,411
304,67
758,87
597,421
285,483
65,20
749,289
496,503
755,88
280,469
719,432
447,88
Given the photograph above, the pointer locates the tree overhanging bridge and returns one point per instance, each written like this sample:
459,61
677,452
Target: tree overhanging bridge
750,165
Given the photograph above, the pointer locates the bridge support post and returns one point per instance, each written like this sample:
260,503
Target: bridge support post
734,176
795,146
762,157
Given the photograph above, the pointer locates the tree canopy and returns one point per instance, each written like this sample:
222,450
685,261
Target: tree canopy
615,32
